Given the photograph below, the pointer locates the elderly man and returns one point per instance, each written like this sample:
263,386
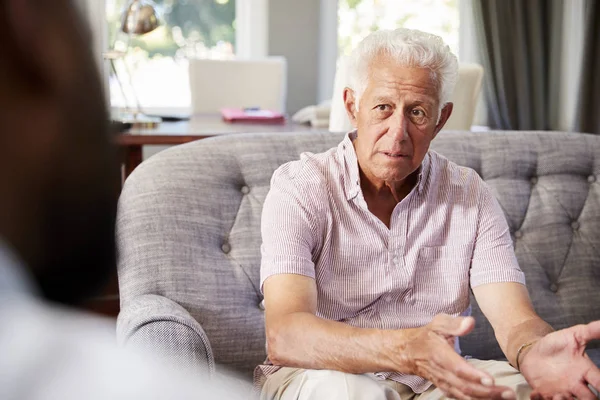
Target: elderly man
370,249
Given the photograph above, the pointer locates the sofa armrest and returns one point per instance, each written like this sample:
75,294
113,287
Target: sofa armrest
159,326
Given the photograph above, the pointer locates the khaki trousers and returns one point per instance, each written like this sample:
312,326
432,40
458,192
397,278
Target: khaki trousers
301,384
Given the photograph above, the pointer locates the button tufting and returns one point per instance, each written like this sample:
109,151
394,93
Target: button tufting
226,247
245,189
534,180
575,225
518,234
591,179
554,288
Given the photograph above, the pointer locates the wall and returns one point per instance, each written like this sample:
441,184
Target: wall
294,33
328,48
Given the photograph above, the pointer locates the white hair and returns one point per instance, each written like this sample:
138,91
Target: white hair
411,48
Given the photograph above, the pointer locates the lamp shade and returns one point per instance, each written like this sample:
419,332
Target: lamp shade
139,18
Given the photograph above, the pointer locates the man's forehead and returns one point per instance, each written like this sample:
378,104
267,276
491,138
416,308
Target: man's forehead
392,90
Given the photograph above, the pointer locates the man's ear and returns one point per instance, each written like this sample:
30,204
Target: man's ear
350,105
444,115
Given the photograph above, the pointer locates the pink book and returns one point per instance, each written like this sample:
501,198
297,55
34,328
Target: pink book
252,115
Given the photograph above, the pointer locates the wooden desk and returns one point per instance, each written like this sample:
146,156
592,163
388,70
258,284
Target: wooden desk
198,127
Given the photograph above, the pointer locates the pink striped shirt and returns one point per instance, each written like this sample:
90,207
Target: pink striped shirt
447,234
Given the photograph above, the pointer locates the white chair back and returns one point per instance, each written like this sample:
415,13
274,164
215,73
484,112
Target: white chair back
216,84
465,96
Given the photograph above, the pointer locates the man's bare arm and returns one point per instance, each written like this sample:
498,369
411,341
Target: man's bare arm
296,337
508,308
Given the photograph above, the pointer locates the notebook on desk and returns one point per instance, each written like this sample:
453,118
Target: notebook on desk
252,115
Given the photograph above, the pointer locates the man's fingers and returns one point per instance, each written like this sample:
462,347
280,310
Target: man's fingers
592,376
469,380
582,392
456,393
591,331
452,326
463,370
535,396
439,377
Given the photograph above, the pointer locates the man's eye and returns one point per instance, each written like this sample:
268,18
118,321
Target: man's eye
383,107
418,113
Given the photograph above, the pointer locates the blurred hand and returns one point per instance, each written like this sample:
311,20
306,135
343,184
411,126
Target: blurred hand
430,352
557,367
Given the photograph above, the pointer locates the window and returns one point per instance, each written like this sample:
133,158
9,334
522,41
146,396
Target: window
358,18
155,67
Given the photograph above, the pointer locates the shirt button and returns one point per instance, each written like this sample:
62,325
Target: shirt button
554,288
591,179
534,180
245,189
226,248
518,234
575,225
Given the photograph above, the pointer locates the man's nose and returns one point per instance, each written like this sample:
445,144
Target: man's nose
398,126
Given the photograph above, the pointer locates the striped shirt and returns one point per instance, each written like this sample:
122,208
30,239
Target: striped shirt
447,234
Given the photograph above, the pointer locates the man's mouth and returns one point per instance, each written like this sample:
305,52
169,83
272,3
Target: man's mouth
394,154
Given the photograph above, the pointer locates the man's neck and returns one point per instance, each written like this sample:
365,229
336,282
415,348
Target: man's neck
382,198
383,190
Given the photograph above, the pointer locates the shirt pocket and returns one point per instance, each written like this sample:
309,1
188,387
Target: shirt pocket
442,279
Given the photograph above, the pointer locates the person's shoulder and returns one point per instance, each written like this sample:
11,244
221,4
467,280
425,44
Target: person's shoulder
310,172
450,173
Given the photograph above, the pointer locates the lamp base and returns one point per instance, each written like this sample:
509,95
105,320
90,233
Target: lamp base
137,121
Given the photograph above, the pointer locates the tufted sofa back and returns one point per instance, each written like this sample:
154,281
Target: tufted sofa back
189,227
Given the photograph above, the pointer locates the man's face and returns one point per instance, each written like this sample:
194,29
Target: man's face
397,119
68,175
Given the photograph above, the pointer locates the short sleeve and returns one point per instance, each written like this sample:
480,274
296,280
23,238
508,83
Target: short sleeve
494,259
289,226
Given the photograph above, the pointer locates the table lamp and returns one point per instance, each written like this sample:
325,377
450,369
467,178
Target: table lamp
139,18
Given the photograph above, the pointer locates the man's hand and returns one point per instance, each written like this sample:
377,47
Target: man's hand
430,352
557,367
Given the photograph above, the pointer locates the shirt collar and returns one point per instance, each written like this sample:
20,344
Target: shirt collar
352,181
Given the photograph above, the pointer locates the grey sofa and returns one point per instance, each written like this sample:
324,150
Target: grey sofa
189,237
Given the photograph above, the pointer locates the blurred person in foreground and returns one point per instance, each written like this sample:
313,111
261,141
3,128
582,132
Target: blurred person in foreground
59,188
370,251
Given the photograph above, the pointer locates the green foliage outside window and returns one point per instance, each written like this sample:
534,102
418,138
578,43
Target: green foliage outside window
358,18
184,24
